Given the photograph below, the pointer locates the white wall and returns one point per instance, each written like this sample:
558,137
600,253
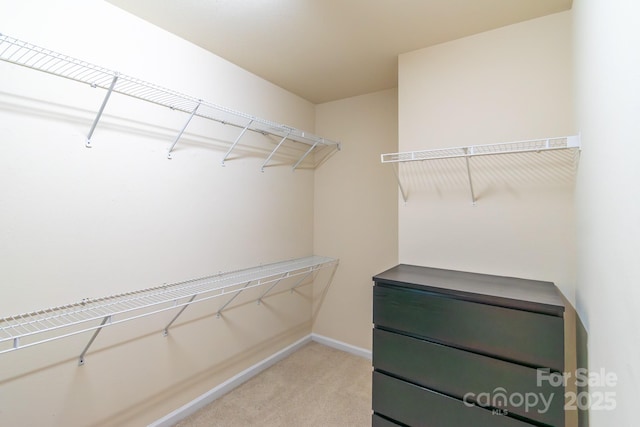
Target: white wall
122,195
82,223
608,107
355,215
510,84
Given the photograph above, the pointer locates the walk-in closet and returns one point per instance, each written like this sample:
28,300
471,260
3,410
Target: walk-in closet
318,213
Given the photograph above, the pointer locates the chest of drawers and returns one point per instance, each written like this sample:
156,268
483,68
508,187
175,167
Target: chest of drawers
452,348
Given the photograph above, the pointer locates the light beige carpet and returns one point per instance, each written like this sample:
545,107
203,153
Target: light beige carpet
317,386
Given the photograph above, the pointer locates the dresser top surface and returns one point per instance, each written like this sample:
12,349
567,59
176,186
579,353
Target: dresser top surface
510,292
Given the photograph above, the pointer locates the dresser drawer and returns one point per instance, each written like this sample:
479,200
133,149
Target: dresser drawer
533,339
378,421
416,406
469,376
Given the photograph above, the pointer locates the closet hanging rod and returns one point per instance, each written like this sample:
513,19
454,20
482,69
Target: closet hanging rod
25,54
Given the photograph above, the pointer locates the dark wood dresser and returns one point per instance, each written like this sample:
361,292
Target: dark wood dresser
452,348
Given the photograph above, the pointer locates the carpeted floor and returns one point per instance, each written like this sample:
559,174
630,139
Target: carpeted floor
317,386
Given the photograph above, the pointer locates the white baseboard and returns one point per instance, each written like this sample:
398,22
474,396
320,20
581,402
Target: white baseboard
233,382
330,342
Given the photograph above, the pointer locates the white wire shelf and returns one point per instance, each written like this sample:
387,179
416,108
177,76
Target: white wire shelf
528,146
534,145
42,326
38,58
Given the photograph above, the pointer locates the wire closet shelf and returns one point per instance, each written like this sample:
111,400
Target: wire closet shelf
467,152
42,326
38,58
534,145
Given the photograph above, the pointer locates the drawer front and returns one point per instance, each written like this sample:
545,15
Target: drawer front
416,406
521,336
378,421
469,376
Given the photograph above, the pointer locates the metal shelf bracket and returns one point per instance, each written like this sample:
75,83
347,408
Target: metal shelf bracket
311,271
101,110
165,331
284,276
396,172
274,151
93,338
175,141
305,155
236,142
235,295
467,151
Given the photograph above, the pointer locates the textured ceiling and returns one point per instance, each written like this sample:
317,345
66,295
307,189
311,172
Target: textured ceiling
324,50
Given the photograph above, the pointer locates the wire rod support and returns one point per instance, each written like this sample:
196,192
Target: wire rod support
396,172
101,110
274,151
93,338
236,142
473,196
284,276
165,331
235,295
303,278
305,155
175,141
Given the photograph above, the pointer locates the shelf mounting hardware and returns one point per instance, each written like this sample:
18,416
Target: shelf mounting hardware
93,338
274,151
466,158
165,331
303,278
284,276
326,288
193,113
396,172
235,295
306,154
101,110
236,141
